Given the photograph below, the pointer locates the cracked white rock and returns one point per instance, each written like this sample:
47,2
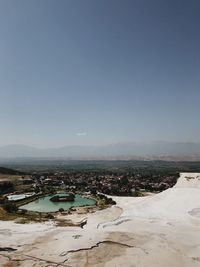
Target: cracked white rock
160,230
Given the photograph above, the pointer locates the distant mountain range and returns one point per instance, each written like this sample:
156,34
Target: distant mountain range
115,151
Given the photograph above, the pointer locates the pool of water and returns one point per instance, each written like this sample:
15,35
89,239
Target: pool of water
45,205
19,196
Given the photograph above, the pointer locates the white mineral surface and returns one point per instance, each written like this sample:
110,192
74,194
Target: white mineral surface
160,230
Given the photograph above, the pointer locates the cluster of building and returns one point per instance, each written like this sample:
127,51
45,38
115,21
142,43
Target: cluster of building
107,183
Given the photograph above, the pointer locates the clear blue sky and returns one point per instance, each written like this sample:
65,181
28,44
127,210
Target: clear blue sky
99,71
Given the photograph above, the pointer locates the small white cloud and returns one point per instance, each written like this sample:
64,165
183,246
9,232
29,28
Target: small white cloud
81,134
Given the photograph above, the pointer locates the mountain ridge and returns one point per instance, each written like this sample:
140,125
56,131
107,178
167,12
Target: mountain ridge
120,150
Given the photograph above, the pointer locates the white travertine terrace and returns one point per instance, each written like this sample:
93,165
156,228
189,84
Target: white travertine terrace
159,230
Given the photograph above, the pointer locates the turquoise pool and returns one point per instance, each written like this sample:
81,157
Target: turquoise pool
45,205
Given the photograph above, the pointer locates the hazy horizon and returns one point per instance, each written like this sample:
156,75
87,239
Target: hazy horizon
100,145
159,150
99,72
